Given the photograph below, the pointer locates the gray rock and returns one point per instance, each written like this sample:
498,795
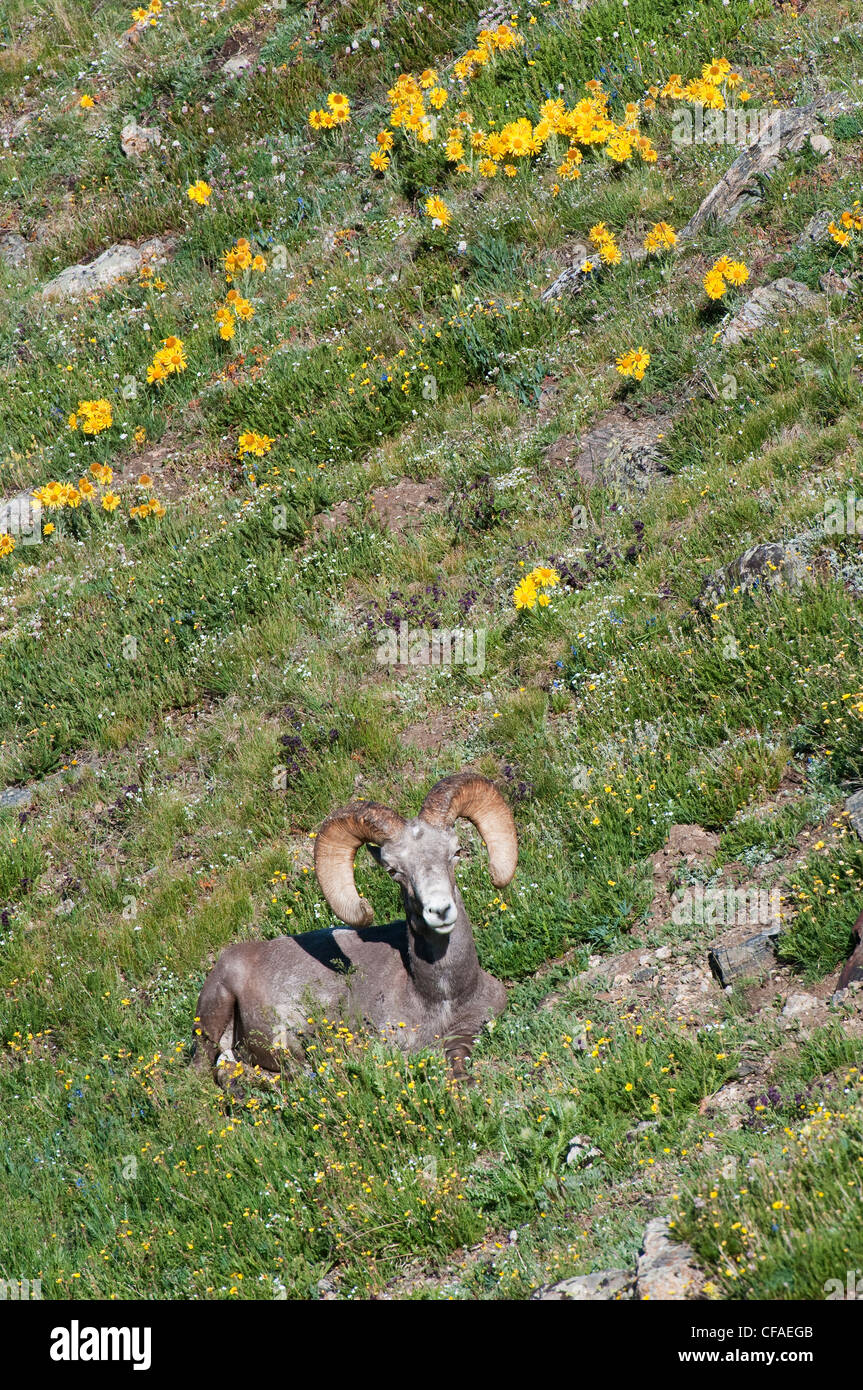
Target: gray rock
799,1006
766,304
136,140
117,263
618,451
819,143
854,808
15,797
14,250
605,1285
234,66
582,1152
815,230
762,567
666,1269
753,956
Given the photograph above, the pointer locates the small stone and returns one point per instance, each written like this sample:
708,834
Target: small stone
605,1285
666,1269
766,305
753,956
819,143
854,809
234,66
14,250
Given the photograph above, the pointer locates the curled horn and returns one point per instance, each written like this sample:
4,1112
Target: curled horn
478,800
339,838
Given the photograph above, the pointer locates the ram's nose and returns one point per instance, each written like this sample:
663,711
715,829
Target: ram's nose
440,916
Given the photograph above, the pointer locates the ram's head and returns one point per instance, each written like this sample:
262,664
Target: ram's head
420,854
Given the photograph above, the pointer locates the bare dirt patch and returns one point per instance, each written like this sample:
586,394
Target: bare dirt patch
429,735
401,506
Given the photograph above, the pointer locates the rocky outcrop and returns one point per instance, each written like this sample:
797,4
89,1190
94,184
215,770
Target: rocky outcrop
767,304
116,264
136,140
742,184
762,567
666,1271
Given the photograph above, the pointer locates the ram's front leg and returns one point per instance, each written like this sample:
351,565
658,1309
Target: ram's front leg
458,1050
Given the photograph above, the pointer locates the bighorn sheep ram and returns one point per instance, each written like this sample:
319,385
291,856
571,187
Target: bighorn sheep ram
416,981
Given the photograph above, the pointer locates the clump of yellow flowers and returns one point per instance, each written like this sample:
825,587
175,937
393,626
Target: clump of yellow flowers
339,112
530,592
735,272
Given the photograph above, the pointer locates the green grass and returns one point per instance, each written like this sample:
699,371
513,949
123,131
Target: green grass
790,1226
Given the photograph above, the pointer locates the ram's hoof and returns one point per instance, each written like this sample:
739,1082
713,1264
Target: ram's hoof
228,1072
465,1079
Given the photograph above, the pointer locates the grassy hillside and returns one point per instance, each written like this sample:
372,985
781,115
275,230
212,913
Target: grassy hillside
228,446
